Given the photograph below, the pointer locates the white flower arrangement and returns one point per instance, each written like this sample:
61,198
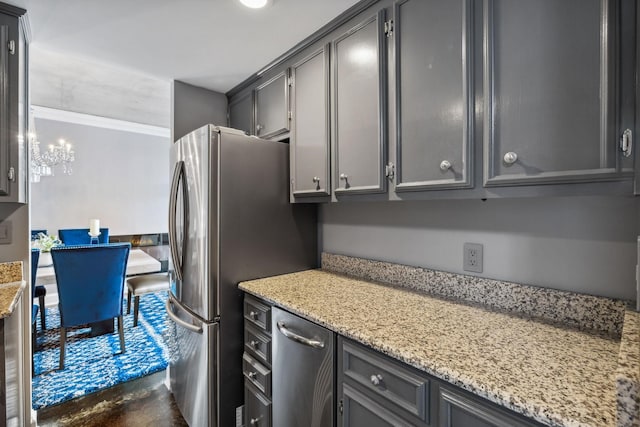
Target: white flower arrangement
45,243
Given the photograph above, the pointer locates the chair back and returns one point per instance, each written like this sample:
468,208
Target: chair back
34,233
35,257
80,236
90,281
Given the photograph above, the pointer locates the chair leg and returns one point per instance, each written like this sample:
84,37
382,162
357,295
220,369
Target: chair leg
136,307
121,333
43,321
63,340
128,301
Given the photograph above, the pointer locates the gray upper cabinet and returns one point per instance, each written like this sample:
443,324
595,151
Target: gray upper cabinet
14,109
434,96
241,113
310,127
552,92
272,106
359,108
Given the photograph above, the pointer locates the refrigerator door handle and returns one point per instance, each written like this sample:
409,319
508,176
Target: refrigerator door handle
173,200
179,321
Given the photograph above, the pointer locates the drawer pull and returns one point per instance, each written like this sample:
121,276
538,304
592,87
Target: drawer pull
253,315
254,344
252,375
376,379
299,338
254,421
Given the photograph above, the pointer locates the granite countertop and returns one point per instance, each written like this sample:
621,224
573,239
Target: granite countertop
11,287
557,375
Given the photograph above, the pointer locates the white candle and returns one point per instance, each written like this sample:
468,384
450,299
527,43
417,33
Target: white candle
94,227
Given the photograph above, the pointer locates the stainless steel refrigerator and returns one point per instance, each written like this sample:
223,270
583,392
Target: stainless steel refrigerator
229,220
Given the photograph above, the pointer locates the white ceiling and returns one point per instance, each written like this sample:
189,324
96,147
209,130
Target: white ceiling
214,44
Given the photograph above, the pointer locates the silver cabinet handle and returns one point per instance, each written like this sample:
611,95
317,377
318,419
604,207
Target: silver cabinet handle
316,179
626,142
299,338
254,421
254,344
445,165
376,379
252,375
344,176
253,315
179,321
510,158
259,128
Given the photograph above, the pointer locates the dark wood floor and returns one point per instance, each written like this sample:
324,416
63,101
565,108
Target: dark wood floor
142,402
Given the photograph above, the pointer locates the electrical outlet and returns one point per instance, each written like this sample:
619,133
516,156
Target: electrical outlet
472,257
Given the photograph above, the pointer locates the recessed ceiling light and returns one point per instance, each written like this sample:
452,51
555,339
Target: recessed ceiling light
255,4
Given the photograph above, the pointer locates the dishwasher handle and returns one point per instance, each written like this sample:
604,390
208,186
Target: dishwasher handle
299,338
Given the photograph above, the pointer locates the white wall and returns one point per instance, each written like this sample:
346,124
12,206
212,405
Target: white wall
581,244
120,177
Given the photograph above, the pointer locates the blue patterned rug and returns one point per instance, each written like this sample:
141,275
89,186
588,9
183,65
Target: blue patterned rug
93,364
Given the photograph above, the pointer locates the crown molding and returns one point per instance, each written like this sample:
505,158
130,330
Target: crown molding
47,113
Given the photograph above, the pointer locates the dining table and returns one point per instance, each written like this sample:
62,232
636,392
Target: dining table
139,262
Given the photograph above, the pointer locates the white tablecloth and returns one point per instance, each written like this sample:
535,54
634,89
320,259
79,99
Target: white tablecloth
139,263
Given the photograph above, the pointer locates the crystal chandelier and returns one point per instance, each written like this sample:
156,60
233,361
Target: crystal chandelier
43,164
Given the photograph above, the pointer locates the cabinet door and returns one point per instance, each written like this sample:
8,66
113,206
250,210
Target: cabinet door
458,410
272,106
8,102
434,96
257,408
241,113
309,142
550,91
360,411
359,108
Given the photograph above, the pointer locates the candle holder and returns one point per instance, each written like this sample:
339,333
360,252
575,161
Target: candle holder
93,239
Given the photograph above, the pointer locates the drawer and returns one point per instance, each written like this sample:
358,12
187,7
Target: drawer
257,344
387,379
257,408
257,313
255,372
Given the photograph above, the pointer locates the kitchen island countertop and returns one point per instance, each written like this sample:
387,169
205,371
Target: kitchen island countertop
557,375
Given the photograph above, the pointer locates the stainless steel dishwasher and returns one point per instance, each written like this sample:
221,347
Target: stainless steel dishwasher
303,355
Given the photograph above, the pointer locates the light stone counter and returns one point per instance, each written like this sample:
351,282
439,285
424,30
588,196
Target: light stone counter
557,375
11,287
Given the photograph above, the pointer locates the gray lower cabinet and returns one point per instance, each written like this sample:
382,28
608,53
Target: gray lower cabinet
272,106
241,113
359,108
14,109
434,94
310,127
458,409
553,87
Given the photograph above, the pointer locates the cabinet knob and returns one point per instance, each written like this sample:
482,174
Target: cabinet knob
259,128
344,176
253,315
252,375
316,179
445,165
254,421
510,158
376,379
254,344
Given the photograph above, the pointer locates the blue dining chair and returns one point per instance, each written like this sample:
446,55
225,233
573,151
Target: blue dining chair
38,291
90,281
35,257
80,236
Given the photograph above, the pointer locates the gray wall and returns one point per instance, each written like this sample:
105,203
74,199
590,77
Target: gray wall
193,107
581,244
120,177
